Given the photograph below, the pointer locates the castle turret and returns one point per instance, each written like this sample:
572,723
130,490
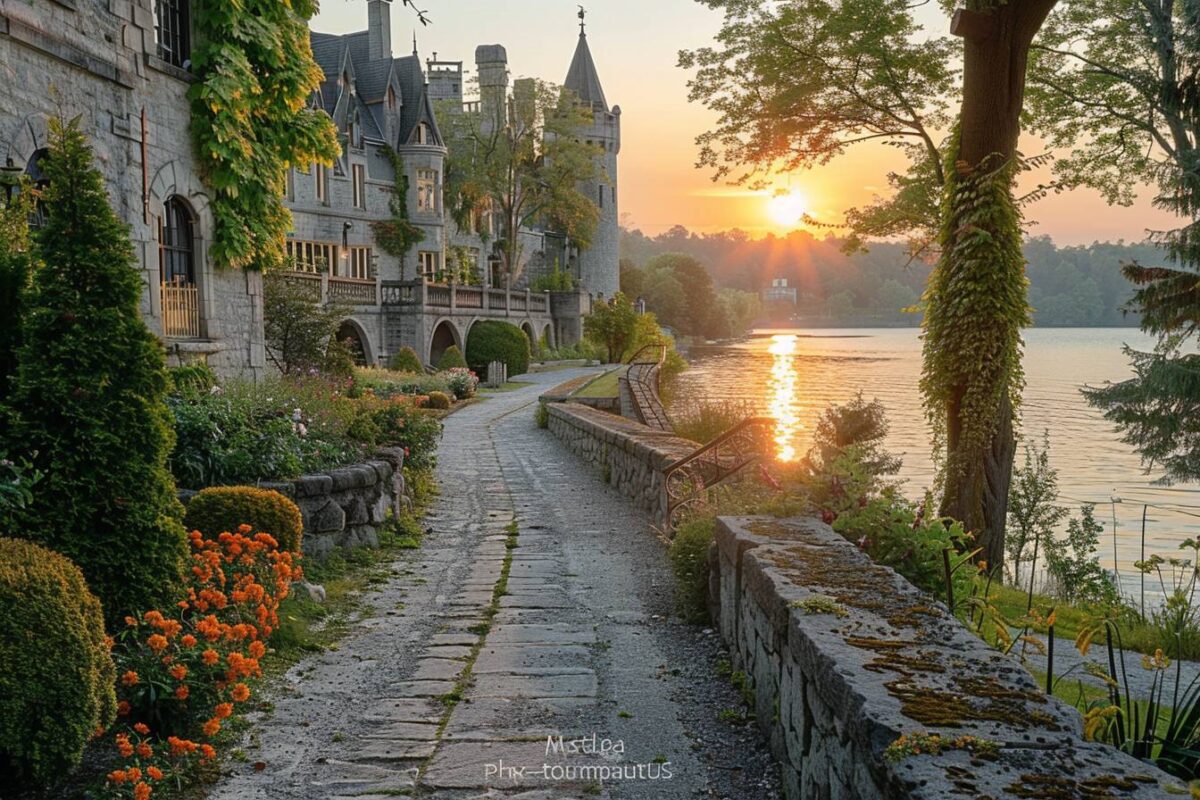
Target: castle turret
599,264
491,65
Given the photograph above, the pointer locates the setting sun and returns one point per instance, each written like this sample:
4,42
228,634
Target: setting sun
787,208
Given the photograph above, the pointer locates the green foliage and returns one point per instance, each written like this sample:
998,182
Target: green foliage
438,401
528,168
300,332
583,350
541,416
56,675
16,271
398,235
689,562
406,360
223,509
856,424
417,432
191,379
611,325
558,280
1033,510
451,359
705,420
462,382
492,340
1073,565
679,290
88,397
795,85
976,307
387,383
17,479
251,120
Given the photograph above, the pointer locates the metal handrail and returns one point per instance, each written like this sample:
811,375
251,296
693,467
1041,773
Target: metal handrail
687,480
662,353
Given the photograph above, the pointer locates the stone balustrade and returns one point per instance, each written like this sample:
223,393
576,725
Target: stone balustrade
843,656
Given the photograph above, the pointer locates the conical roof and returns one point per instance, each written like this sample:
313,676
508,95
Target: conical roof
582,78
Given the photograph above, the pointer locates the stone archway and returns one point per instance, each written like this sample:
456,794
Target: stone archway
547,337
527,329
445,335
353,335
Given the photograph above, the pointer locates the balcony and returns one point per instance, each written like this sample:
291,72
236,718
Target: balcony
343,291
180,311
467,298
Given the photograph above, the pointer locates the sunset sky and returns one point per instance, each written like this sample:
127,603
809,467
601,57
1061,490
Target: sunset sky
635,45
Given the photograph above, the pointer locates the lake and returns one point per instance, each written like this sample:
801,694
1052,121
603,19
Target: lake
1094,466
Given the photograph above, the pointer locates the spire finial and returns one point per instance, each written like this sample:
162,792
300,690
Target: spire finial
414,43
582,22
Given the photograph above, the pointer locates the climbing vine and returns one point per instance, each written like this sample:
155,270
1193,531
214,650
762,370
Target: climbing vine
397,236
976,307
250,120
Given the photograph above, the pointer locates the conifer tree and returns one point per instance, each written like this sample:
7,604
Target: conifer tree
89,396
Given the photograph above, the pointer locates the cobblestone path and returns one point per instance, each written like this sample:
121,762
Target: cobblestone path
493,637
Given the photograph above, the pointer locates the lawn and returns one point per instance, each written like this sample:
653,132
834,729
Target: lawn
603,386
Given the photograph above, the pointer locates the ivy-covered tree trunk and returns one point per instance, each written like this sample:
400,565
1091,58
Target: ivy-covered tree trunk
977,294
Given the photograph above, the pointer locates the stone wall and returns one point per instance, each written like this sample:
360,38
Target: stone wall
844,656
346,507
630,455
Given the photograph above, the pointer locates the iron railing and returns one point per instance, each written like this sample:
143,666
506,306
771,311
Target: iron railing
688,480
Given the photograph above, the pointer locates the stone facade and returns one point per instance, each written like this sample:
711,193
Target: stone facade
101,60
843,656
631,456
346,507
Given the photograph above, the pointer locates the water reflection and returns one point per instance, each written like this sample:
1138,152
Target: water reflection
783,396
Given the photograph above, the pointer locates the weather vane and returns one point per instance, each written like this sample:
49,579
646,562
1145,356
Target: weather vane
582,15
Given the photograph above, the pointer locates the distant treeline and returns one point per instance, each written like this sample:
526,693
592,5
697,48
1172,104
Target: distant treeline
1069,286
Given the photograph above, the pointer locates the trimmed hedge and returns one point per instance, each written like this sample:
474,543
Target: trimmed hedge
492,340
221,509
56,675
438,401
451,359
406,360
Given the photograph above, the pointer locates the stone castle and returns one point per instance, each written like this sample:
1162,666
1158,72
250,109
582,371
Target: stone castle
123,65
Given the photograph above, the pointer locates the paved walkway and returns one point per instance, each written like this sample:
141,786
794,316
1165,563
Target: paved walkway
475,651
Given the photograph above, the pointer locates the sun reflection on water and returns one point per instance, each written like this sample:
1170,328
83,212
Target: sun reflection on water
783,396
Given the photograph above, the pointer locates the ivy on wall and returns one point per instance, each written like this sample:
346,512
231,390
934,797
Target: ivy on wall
251,122
397,236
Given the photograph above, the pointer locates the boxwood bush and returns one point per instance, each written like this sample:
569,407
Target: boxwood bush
492,340
56,675
451,359
221,509
406,360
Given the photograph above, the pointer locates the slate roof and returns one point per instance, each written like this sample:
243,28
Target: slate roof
582,78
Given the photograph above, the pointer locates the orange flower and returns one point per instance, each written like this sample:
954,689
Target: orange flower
240,693
142,728
134,774
180,747
223,710
145,750
210,656
117,776
152,617
131,622
142,791
157,642
179,672
211,727
188,640
208,752
181,693
130,678
258,649
123,745
123,708
155,773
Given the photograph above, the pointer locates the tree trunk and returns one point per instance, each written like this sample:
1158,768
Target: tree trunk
995,56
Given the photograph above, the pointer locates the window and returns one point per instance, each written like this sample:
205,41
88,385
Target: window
360,262
176,243
600,192
427,264
427,190
311,256
422,134
322,184
360,186
391,98
171,31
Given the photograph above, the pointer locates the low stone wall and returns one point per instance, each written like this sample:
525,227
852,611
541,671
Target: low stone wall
844,656
630,455
346,507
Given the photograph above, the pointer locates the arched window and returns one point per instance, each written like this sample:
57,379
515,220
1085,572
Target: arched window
171,32
391,98
177,243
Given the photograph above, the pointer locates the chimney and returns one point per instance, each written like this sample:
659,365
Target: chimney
379,29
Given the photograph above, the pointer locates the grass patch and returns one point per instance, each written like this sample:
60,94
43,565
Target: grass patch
605,385
689,562
706,420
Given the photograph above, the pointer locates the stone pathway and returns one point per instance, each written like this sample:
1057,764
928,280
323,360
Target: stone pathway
494,636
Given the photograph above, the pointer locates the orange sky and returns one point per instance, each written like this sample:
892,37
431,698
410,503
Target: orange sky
635,45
